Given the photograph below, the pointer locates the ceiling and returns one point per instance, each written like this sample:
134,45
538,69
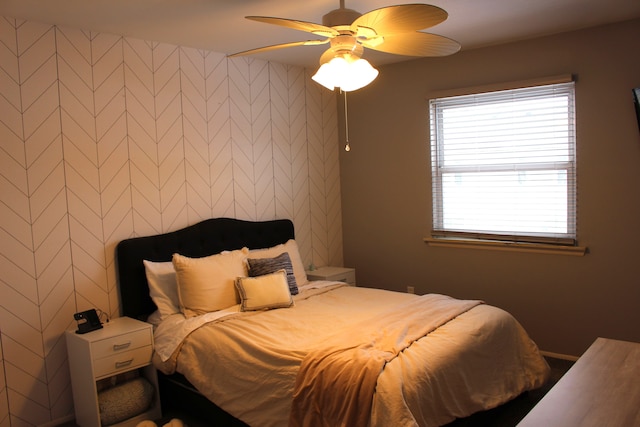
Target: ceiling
219,25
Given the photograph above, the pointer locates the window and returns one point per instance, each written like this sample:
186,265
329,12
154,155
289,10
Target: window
503,165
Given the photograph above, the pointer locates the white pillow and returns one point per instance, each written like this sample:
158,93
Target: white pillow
163,287
290,247
207,284
262,292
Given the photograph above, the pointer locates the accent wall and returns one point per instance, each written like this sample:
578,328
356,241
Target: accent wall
105,137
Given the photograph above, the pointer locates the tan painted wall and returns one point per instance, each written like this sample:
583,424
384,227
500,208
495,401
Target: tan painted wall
564,302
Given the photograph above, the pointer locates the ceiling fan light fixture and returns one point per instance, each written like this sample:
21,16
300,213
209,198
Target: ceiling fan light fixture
392,29
345,72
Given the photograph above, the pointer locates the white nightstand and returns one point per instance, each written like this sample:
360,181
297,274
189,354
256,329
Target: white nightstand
122,345
338,274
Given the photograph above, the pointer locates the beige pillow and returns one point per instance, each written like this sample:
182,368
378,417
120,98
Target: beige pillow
262,292
207,284
291,247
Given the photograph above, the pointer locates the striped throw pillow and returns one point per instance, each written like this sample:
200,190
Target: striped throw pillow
262,266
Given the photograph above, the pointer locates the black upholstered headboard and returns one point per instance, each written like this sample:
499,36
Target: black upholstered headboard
208,237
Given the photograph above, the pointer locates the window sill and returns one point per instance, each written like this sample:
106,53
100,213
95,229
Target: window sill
506,246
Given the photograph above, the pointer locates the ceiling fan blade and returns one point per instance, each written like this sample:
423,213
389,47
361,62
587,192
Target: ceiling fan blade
279,46
415,44
402,18
309,27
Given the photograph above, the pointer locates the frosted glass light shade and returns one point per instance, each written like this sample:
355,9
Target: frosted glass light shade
344,74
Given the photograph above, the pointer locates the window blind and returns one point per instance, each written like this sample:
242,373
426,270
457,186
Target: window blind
503,164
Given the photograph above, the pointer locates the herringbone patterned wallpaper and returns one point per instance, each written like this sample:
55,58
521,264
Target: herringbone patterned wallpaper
104,137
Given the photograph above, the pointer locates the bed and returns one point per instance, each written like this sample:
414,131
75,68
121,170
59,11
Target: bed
287,351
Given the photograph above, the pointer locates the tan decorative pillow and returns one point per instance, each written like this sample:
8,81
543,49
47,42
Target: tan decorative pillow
207,284
262,292
291,247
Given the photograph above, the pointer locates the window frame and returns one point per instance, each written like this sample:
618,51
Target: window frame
546,241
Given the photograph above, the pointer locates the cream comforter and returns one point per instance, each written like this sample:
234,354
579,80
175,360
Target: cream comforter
247,363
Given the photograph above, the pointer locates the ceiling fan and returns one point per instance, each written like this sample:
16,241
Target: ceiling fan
392,29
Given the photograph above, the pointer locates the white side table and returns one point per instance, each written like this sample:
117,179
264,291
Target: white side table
338,274
122,345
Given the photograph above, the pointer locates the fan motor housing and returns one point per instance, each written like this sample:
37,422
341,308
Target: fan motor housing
340,17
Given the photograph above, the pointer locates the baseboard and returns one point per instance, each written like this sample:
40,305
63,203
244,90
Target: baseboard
59,421
559,356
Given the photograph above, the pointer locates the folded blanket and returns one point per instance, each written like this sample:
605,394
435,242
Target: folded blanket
335,384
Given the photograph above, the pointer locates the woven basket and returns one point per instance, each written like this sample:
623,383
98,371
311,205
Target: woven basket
125,400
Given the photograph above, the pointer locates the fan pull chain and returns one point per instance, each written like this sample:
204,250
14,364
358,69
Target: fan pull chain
347,147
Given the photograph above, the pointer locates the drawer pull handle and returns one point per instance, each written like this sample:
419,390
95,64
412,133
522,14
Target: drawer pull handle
124,363
118,347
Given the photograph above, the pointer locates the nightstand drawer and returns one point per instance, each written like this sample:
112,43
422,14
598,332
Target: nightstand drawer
120,343
121,362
